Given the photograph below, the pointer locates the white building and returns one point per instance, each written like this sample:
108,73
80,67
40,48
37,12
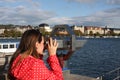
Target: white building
2,30
117,31
94,30
45,26
79,28
22,29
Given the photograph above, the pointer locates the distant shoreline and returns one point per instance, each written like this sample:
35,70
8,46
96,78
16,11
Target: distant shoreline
10,37
98,36
76,36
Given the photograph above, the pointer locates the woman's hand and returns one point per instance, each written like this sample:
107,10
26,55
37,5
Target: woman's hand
52,47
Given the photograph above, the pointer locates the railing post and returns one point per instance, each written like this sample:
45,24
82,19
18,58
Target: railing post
118,74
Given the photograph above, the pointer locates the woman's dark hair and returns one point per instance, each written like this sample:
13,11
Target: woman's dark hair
27,44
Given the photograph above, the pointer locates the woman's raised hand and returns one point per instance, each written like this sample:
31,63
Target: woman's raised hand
52,46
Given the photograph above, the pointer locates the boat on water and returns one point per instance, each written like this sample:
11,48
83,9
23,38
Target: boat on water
8,47
6,51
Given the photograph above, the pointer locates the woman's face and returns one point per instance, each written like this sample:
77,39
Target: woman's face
40,46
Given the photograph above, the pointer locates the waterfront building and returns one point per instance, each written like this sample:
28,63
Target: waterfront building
116,30
79,28
22,29
1,30
93,30
15,27
45,27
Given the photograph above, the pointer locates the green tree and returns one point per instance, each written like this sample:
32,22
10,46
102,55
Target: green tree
6,33
12,33
91,33
97,34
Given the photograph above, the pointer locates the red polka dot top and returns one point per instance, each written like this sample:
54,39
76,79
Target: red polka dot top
31,68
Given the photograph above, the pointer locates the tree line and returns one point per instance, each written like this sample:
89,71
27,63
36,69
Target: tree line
11,33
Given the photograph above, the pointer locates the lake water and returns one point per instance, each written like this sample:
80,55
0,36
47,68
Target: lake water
97,57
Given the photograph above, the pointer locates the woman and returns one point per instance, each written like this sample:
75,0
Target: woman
27,63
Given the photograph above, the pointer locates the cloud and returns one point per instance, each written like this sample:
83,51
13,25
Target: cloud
31,3
22,15
59,20
24,12
8,1
114,2
34,15
34,3
108,2
109,17
82,1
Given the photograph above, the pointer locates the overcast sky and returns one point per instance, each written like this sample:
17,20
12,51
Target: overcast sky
52,12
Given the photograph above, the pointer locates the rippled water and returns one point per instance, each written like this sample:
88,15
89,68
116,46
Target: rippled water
96,57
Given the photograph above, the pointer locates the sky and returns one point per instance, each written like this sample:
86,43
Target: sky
53,12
